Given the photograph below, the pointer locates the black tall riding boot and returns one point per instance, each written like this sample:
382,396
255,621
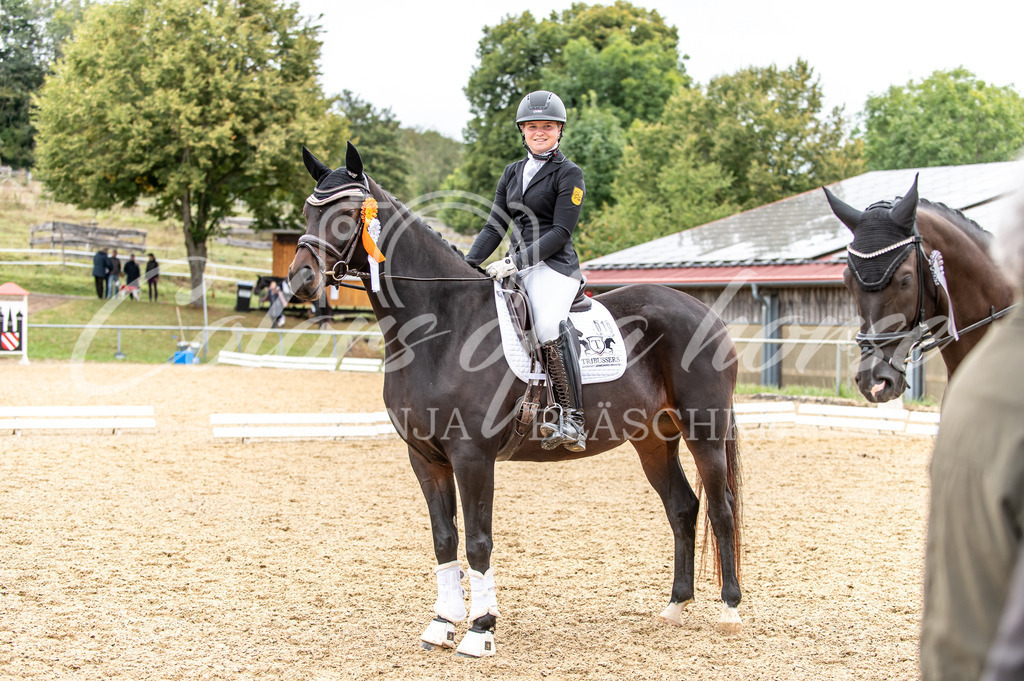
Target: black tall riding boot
563,367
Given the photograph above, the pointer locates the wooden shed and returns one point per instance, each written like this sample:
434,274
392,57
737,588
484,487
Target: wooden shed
338,298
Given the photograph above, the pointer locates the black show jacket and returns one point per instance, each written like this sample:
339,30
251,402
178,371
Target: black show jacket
544,216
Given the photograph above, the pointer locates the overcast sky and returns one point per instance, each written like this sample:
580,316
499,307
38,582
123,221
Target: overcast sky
415,57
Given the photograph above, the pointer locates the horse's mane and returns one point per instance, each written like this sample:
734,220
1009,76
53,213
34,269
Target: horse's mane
408,216
972,229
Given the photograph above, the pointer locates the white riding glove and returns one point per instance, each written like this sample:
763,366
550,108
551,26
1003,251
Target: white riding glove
501,269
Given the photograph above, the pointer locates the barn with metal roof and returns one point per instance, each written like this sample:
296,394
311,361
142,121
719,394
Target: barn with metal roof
777,271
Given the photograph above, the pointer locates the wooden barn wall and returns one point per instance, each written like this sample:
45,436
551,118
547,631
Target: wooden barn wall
805,305
808,313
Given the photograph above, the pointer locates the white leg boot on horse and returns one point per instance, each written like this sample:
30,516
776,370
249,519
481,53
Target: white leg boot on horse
563,367
483,609
450,607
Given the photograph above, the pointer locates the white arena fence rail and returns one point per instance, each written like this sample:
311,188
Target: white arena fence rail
165,270
883,418
203,334
301,426
112,418
265,361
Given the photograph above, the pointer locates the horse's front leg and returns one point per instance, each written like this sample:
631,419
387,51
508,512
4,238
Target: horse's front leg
438,484
474,473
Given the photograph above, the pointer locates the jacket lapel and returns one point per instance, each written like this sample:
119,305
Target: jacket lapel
515,192
545,170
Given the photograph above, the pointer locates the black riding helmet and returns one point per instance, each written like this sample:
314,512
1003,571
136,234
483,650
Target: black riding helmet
540,106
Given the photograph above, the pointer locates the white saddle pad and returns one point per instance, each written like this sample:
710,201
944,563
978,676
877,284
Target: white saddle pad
602,353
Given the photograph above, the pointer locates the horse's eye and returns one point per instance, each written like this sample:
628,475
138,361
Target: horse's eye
906,281
338,226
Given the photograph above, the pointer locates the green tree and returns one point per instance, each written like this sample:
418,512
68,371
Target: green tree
764,127
948,118
663,187
191,105
22,70
32,34
378,135
745,140
595,142
432,157
61,18
625,55
635,80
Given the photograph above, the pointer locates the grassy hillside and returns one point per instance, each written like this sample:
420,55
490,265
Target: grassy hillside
66,295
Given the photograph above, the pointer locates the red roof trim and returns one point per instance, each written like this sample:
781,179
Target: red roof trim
12,289
811,273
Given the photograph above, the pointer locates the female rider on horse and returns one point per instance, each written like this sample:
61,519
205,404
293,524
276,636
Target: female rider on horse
541,196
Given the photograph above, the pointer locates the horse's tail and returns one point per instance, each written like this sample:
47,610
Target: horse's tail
734,480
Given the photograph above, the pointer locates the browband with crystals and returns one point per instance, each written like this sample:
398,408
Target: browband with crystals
890,247
341,192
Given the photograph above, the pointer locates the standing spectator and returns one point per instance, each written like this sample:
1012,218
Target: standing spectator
976,516
114,277
275,297
131,277
152,276
100,270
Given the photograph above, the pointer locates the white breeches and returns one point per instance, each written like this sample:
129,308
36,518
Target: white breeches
551,294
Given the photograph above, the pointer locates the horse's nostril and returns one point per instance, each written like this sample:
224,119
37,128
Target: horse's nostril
302,277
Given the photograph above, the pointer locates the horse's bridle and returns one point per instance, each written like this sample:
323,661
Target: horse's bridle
918,329
314,244
913,339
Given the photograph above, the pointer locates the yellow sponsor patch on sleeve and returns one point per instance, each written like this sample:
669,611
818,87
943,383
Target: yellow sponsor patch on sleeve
577,196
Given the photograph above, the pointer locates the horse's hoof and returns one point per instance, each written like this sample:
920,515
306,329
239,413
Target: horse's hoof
673,613
729,622
440,633
476,643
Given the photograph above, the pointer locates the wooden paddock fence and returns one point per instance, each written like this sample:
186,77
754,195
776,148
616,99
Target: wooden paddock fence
90,237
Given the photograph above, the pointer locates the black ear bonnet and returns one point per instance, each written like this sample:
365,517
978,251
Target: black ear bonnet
879,246
334,184
883,236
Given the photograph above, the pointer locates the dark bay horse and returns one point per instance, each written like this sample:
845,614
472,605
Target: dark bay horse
923,278
453,397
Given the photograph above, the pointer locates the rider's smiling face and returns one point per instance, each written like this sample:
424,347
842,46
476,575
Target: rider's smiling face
541,136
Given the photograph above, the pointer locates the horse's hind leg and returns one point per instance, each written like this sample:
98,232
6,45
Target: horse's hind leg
438,484
711,438
660,459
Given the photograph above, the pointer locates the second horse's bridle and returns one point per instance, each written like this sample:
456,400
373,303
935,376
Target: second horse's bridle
915,337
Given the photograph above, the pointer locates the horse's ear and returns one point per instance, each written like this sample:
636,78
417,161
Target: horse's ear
846,213
353,162
314,165
905,212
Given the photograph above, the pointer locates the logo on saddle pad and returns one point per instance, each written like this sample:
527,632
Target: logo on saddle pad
599,344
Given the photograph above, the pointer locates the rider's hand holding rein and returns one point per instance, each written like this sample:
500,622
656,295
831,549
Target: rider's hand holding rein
502,269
